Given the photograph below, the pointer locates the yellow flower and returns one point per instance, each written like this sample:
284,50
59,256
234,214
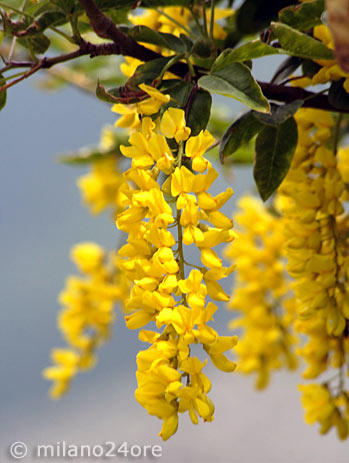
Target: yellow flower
88,257
266,341
170,380
66,366
173,125
129,116
88,313
196,147
153,104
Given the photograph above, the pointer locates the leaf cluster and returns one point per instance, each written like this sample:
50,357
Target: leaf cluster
206,65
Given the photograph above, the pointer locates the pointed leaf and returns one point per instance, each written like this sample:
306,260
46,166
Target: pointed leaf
279,113
38,44
179,91
110,96
93,155
286,68
298,44
200,106
161,39
245,154
199,112
255,15
250,50
304,16
275,147
241,131
82,158
236,81
146,73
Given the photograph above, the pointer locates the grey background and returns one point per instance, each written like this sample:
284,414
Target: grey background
41,218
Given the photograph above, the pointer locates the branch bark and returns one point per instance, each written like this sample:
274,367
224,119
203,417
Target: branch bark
106,29
123,45
86,48
286,94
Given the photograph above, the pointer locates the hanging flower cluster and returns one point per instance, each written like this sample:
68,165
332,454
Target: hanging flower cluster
322,407
168,207
99,188
260,293
88,313
89,300
318,259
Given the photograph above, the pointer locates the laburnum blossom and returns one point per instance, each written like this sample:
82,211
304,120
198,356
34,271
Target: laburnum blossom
100,187
323,408
312,201
88,313
260,294
168,207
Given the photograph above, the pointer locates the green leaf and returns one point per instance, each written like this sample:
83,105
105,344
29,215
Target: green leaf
118,15
187,42
255,15
202,48
83,158
310,68
110,96
67,6
241,131
250,50
200,106
104,4
304,16
49,19
286,68
92,155
37,45
236,81
155,3
298,44
245,154
146,73
44,21
3,94
279,113
199,112
179,91
161,39
275,147
337,95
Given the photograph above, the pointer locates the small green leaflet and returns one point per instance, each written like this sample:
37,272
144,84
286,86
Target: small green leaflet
304,16
275,146
236,81
240,132
147,35
298,44
247,51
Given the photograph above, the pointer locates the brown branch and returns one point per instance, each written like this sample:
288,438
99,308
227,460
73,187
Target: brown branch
288,94
106,29
86,48
126,46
